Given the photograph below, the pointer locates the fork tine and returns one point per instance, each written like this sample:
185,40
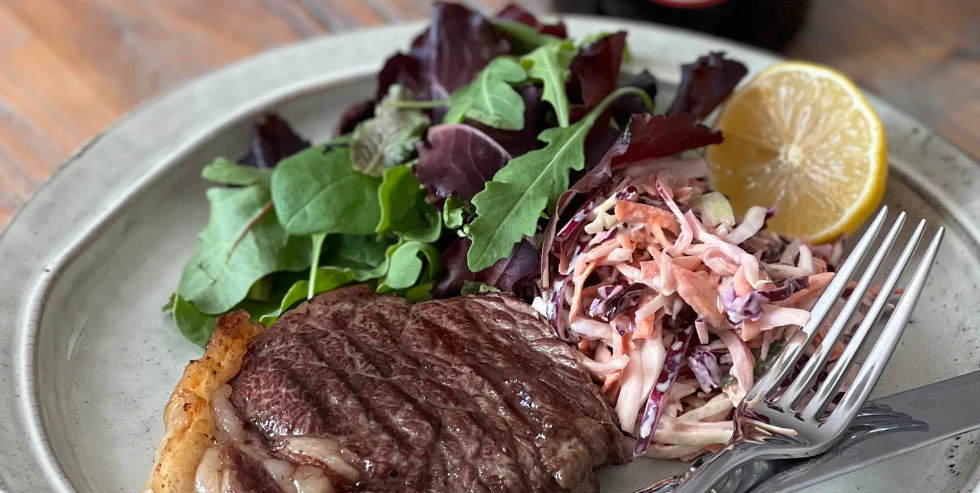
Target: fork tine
804,381
828,390
871,369
781,368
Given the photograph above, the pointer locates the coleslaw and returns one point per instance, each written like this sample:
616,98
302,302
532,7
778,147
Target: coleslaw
676,306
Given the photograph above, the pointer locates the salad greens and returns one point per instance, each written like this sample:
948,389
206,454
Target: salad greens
388,139
490,99
509,207
425,210
550,64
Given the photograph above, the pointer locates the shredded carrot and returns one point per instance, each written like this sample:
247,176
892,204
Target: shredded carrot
689,263
647,214
697,291
815,287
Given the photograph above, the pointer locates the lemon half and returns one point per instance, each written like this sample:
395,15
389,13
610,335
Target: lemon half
801,137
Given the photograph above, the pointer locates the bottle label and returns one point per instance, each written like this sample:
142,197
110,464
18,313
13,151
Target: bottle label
689,4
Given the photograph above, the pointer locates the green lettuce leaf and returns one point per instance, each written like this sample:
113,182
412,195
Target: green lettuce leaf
242,243
317,192
406,267
225,172
197,327
327,279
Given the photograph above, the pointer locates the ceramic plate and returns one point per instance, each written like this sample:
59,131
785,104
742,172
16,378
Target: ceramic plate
87,359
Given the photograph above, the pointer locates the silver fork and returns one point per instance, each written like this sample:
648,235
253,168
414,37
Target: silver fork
765,409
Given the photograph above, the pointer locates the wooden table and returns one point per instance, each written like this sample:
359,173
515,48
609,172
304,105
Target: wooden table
68,68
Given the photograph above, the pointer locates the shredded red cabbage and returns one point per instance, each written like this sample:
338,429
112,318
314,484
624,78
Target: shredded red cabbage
672,366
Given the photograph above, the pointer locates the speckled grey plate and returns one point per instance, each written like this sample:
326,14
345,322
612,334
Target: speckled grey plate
87,360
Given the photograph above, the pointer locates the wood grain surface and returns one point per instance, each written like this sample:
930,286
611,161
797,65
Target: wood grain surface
68,68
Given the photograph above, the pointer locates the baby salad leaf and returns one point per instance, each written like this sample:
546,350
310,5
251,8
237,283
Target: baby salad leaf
705,84
550,64
327,279
431,227
509,207
225,172
595,69
454,212
458,158
516,14
398,195
272,140
458,43
366,256
192,324
490,99
242,243
515,273
476,287
523,38
317,192
405,267
387,139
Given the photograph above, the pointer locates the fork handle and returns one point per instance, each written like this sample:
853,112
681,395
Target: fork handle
707,472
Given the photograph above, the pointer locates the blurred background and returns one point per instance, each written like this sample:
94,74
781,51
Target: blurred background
68,68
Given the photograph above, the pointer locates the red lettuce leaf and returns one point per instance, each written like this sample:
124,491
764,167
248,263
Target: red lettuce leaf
627,106
595,69
272,140
354,114
516,13
520,142
656,136
404,70
458,158
516,274
705,84
457,44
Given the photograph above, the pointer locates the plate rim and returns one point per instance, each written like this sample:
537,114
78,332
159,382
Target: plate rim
23,327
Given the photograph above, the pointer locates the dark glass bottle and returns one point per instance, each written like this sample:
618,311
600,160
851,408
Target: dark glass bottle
766,23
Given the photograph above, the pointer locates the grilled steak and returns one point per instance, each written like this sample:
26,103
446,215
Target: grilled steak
470,394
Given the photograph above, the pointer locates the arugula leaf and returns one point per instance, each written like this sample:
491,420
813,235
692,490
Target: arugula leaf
490,99
389,138
242,243
320,193
509,207
192,324
325,279
523,38
398,195
225,172
454,212
550,64
405,268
